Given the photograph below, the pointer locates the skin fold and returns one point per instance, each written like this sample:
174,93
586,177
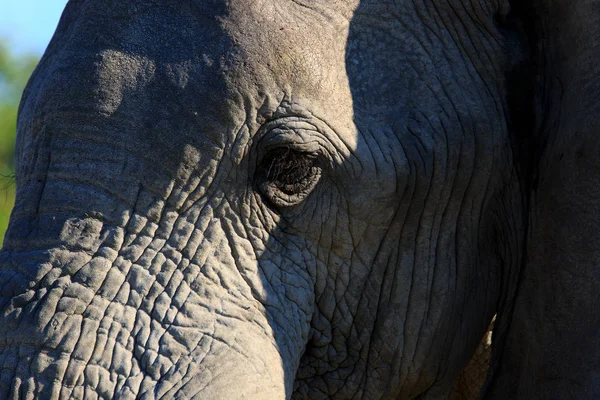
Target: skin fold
274,200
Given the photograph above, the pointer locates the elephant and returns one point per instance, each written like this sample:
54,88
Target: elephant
307,199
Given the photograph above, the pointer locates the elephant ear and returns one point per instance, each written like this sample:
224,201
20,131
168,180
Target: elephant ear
550,346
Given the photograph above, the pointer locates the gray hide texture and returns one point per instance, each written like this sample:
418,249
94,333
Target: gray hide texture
291,199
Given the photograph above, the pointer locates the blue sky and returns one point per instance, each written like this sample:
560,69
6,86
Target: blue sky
29,24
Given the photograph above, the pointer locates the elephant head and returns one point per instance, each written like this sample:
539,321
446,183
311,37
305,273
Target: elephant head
278,199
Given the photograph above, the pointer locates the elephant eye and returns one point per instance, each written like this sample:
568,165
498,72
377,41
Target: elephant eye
287,176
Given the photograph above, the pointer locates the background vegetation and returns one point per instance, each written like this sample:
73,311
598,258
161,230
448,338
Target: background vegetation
15,70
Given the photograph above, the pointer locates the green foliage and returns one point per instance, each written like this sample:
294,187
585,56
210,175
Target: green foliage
15,70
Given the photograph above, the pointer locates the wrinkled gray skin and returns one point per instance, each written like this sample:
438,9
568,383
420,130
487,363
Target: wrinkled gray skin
273,199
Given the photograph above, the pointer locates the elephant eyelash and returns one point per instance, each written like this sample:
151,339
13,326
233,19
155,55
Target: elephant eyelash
287,166
287,176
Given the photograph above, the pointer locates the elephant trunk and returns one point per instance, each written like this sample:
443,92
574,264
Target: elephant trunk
148,307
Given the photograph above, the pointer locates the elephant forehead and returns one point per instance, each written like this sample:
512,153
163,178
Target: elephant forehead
295,44
118,73
191,72
293,50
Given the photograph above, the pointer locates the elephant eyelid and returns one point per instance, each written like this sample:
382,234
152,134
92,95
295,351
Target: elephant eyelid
307,143
301,140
